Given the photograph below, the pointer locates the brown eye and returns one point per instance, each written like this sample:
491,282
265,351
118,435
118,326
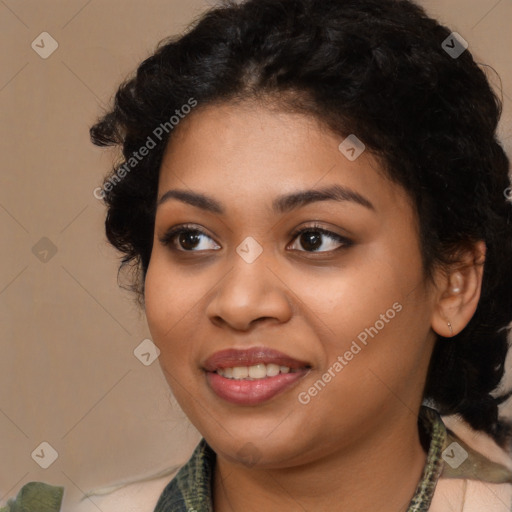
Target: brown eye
187,238
312,239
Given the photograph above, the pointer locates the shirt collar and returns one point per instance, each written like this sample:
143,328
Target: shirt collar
191,489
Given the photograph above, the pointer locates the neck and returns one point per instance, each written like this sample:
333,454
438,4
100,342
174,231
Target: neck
380,472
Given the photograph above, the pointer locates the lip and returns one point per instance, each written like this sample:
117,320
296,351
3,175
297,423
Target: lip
252,392
248,357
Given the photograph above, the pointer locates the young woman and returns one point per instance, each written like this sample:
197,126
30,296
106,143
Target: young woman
315,200
324,240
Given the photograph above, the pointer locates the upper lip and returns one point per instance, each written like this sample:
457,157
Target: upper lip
232,357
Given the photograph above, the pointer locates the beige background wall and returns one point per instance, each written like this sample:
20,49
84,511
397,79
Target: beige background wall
68,375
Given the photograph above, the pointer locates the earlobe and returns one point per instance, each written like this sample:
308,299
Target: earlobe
450,305
458,297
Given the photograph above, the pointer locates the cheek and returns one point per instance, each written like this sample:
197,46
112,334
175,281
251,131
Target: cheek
373,314
174,313
169,295
155,298
352,298
166,304
168,307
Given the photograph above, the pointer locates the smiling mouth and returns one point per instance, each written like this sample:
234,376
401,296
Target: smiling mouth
252,376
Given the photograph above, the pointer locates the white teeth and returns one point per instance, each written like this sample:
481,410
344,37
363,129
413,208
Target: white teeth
240,372
257,371
272,370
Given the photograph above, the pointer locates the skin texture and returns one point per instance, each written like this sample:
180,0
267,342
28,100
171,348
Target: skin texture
355,445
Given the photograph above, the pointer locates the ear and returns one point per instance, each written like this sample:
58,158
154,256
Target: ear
459,291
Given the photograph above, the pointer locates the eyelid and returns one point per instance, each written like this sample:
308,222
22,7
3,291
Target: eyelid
172,232
169,236
343,240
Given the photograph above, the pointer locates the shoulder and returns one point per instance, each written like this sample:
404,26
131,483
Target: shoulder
178,484
454,495
478,441
481,478
138,496
34,496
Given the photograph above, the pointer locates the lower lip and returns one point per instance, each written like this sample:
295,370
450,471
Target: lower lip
252,392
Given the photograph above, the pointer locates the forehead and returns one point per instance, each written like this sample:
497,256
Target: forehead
251,152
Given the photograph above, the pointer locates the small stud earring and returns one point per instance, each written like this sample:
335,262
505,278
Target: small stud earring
455,289
450,326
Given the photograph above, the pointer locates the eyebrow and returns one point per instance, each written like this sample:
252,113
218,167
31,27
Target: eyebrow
282,204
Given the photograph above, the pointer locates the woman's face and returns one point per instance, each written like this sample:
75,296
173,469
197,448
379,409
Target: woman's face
349,312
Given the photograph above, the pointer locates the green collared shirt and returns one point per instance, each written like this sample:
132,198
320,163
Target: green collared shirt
191,489
36,497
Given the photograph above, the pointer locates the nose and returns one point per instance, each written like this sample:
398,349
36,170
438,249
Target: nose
250,293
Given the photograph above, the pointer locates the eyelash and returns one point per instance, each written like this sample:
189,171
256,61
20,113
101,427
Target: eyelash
168,238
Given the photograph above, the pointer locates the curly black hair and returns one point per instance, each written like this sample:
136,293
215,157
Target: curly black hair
380,69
